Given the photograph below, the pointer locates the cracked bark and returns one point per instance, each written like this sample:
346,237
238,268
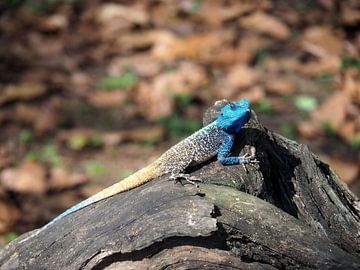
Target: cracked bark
292,211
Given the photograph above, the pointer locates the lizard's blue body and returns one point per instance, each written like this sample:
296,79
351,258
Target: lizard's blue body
215,138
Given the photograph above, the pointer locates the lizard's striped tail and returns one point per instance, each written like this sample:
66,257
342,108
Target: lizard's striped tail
138,178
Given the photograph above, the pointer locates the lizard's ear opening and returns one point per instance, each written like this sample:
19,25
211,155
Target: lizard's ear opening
233,116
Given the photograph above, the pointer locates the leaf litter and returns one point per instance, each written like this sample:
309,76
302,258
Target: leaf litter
85,81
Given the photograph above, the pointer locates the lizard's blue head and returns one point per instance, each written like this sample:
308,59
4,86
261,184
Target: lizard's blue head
233,116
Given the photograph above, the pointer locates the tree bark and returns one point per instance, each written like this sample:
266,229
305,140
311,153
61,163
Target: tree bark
289,211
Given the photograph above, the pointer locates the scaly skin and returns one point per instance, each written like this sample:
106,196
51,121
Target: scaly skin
215,138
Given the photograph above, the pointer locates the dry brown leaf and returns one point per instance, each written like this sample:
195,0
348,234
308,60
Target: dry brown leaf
308,129
229,56
46,46
142,64
42,119
106,99
279,85
153,102
255,94
321,41
328,4
25,113
348,130
22,91
330,64
9,215
109,12
215,12
326,45
241,76
267,24
238,79
53,23
347,170
28,177
350,12
195,46
88,191
146,134
156,98
351,83
252,42
61,178
186,79
139,40
81,82
332,111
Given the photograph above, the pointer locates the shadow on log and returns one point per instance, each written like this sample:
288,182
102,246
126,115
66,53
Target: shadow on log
290,211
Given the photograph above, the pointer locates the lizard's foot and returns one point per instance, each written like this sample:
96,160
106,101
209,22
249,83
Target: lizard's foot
249,159
177,177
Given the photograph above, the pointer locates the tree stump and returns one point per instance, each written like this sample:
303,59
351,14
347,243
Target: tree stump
289,211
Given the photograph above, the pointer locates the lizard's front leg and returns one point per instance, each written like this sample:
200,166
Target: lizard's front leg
225,149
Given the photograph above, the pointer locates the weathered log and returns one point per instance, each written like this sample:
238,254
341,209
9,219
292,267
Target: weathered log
290,211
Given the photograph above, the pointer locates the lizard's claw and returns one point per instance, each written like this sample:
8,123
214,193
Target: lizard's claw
249,159
177,177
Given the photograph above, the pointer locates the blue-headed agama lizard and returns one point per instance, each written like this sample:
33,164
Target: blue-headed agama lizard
214,139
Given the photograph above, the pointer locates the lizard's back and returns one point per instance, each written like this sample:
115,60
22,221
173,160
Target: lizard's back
199,147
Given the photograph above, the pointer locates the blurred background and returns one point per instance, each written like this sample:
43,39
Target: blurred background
91,91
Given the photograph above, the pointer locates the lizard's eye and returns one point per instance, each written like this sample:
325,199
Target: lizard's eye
232,106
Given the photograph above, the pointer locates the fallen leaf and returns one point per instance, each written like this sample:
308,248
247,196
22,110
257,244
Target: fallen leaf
9,215
350,12
332,111
279,85
350,83
42,119
142,64
348,130
326,45
347,170
153,102
241,76
215,13
88,191
321,41
81,82
144,39
229,56
54,22
28,177
46,46
22,91
197,46
265,23
111,11
238,78
308,129
187,78
102,98
146,134
325,65
25,113
60,178
254,94
306,103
